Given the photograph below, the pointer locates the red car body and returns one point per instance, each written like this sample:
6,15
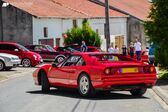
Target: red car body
122,73
144,56
21,52
48,53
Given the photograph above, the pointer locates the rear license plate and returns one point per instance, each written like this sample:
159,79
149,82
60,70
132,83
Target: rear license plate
130,70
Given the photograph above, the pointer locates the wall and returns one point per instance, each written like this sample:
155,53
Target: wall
118,27
17,26
58,26
55,28
136,29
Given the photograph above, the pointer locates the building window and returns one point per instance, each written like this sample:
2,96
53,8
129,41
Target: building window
58,42
45,30
74,23
47,42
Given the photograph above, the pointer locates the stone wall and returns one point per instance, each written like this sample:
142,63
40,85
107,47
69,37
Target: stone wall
17,25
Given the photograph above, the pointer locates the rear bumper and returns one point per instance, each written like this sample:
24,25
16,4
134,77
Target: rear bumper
124,84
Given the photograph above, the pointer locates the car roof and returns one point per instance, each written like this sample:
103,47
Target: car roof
8,43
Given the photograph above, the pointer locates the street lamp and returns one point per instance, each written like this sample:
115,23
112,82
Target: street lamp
107,26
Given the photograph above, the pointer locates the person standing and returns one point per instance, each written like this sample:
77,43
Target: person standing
116,50
151,54
131,50
83,47
111,49
124,50
138,49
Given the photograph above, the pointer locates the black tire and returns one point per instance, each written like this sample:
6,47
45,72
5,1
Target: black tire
45,86
2,65
8,68
59,59
26,62
138,91
89,90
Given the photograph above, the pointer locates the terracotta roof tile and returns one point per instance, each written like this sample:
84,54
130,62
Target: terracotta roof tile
44,8
63,8
92,9
137,8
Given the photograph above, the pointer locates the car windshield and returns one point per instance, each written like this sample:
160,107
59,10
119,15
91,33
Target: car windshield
22,48
49,48
72,50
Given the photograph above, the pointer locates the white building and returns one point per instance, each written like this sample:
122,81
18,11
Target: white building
46,21
56,27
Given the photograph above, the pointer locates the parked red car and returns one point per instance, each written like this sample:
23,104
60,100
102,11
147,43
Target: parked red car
90,72
27,57
48,53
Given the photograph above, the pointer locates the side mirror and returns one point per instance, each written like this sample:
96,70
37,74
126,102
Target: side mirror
17,50
54,65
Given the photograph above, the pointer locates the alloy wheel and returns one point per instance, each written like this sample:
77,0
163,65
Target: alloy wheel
84,85
60,59
26,62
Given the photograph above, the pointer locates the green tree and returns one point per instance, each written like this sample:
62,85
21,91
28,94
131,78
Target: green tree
156,27
77,35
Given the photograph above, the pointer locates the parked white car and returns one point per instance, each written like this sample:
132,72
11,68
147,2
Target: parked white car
8,61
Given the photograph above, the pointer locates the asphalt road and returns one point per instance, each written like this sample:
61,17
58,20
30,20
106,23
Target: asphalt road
21,95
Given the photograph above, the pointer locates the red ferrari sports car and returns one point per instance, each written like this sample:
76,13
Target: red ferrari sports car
90,72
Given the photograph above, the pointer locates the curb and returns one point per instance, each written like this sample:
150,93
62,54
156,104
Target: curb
14,76
161,93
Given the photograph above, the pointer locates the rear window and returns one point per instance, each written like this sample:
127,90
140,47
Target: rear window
110,57
107,57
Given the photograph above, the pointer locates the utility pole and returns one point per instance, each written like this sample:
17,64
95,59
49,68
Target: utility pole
1,23
107,26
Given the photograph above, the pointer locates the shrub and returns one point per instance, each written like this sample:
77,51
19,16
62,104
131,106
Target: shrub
76,35
163,76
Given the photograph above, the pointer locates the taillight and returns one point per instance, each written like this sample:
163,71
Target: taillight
111,71
107,71
149,69
152,69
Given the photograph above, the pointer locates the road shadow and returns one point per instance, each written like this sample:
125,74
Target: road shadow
162,83
27,67
99,96
11,70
